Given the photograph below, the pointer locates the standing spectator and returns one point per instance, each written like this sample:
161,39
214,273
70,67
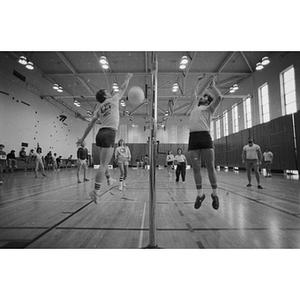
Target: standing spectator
146,161
252,156
58,162
268,160
3,162
123,157
170,162
137,161
49,160
11,157
180,161
82,156
142,162
54,160
39,162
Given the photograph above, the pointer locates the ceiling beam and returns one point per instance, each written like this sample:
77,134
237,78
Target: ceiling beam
247,62
69,65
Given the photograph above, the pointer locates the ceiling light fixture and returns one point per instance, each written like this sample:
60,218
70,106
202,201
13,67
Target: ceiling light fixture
104,62
29,65
265,61
184,60
115,87
22,60
175,87
235,87
55,86
259,66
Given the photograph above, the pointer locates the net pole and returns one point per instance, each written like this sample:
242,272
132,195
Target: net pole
152,154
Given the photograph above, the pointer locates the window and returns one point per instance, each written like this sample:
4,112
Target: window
218,128
225,123
288,91
212,130
235,119
263,95
247,113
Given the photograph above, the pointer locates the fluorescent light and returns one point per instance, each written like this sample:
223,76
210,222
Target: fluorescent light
265,61
103,60
55,86
184,60
182,66
29,65
259,66
235,87
22,60
105,66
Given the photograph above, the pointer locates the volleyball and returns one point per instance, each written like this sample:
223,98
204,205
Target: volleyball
136,95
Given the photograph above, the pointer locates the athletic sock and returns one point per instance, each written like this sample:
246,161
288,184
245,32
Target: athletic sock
200,192
215,192
97,187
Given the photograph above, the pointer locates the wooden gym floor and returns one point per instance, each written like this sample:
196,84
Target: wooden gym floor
56,212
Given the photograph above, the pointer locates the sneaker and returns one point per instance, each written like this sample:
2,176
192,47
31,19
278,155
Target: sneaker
249,184
259,187
94,196
124,184
85,179
121,186
215,203
78,181
44,175
199,201
111,181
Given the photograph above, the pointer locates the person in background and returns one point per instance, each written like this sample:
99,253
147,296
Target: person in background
58,162
180,161
23,155
82,156
3,161
12,161
39,162
123,157
268,160
54,162
252,157
31,155
137,161
170,162
146,161
69,160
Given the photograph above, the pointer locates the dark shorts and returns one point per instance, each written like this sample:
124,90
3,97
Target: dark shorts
106,138
169,163
200,140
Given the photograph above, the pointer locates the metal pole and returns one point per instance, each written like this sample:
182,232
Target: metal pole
152,154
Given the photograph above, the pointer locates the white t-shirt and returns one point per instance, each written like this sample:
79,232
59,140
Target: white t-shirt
108,112
180,158
251,151
268,156
122,153
170,157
